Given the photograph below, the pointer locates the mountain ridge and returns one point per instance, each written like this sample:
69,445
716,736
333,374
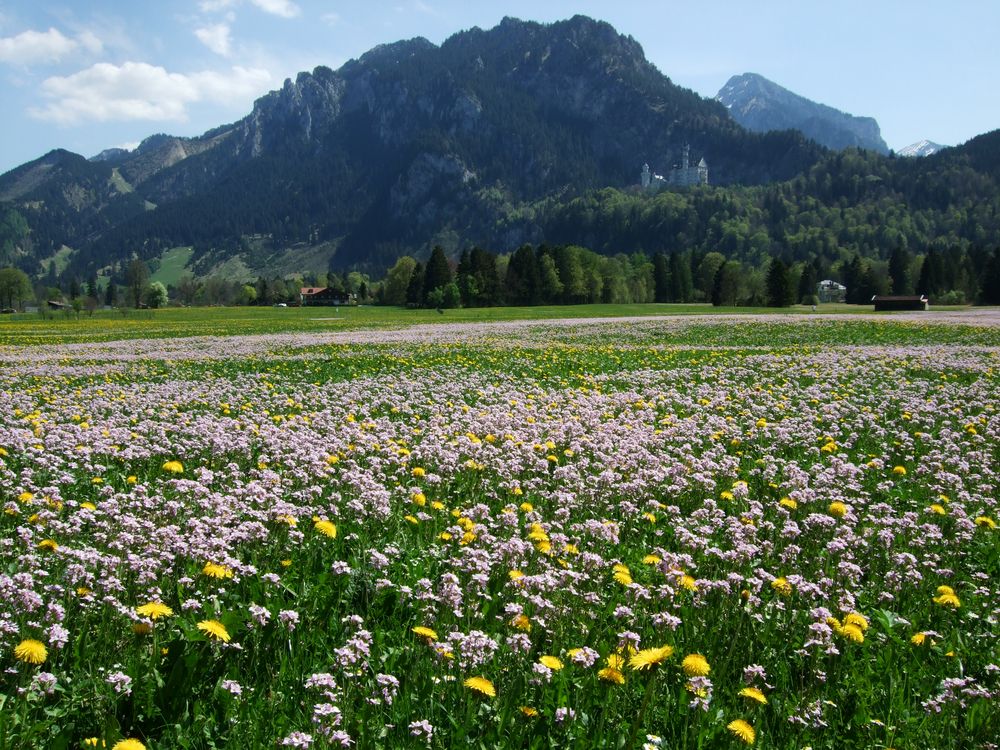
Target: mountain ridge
407,145
523,133
761,105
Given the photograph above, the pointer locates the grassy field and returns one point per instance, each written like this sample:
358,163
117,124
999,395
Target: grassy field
27,329
172,264
682,532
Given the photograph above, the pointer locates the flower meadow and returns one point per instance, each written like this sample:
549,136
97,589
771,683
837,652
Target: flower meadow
649,534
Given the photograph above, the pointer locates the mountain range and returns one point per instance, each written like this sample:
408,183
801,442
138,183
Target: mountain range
483,140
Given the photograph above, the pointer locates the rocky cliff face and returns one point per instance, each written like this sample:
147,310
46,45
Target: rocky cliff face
762,105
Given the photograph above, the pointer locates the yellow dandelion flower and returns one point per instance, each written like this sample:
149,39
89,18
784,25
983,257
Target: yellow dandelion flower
326,528
985,522
521,622
154,610
290,521
515,574
937,509
688,583
552,662
761,423
31,651
787,502
782,586
853,633
48,544
482,686
214,570
651,560
214,630
132,479
424,632
418,471
726,495
650,657
142,628
26,497
419,498
742,731
129,744
921,638
837,509
695,665
752,693
947,599
899,471
858,620
529,711
537,533
88,505
622,574
173,467
610,674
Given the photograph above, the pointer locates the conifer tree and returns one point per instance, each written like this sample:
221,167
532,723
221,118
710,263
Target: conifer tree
437,275
779,286
661,278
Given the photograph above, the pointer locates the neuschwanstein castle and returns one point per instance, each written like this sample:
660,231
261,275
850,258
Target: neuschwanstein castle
680,176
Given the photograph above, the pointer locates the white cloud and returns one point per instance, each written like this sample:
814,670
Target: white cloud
211,6
90,42
139,91
283,8
331,18
39,47
216,38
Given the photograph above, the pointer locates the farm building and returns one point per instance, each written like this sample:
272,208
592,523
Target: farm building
322,296
884,302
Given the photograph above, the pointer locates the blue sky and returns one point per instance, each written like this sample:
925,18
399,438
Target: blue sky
86,76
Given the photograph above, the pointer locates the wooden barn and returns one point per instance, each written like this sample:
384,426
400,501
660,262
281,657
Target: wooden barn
885,303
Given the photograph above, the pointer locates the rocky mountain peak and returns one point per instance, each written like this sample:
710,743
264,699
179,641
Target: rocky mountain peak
761,105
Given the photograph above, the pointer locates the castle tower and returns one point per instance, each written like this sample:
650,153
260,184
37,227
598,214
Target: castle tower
644,177
686,156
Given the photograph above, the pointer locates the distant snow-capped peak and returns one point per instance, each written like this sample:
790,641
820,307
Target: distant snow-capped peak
920,148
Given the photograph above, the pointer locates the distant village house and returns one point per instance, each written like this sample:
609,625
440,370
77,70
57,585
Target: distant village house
322,296
829,290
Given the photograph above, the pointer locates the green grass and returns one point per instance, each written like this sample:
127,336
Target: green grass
173,263
220,321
